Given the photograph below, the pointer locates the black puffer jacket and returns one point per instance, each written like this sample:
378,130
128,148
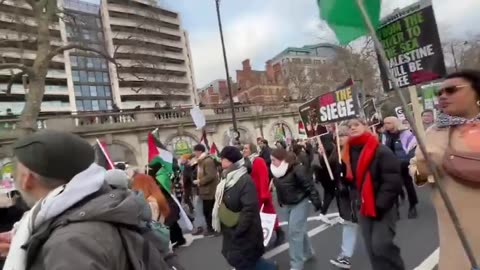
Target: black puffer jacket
295,186
386,176
243,244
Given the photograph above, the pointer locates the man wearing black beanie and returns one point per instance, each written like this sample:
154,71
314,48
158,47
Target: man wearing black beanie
76,218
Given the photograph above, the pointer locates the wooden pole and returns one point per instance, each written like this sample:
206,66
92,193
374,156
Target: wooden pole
383,60
325,158
337,139
417,111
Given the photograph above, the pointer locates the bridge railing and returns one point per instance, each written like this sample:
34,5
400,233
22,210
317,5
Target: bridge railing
129,116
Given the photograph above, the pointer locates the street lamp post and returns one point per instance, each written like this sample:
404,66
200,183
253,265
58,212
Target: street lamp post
229,85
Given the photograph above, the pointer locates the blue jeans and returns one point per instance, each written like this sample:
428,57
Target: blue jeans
300,247
199,221
349,239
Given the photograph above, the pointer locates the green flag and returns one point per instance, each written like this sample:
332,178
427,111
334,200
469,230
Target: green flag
345,18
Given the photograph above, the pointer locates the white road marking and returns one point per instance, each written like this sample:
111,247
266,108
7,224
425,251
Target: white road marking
317,218
430,262
274,252
332,216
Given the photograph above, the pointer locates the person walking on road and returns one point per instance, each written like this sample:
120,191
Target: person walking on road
375,171
257,168
453,144
403,143
77,221
294,191
347,200
236,214
207,181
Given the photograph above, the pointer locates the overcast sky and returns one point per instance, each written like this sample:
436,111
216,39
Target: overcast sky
260,29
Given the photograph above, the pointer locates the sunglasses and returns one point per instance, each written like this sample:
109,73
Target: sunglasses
450,90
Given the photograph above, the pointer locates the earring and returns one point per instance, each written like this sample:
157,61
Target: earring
478,103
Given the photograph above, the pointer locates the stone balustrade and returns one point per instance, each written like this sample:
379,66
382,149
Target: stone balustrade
144,119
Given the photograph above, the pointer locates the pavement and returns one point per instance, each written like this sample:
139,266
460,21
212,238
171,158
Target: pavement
417,239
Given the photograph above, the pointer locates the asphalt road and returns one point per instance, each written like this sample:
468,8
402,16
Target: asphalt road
417,239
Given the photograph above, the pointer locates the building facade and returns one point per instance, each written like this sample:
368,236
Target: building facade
152,68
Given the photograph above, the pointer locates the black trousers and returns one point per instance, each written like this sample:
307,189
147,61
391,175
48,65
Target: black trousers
379,235
207,212
328,189
176,233
409,187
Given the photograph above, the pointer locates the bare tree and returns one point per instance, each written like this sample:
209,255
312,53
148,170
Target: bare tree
307,78
45,14
462,53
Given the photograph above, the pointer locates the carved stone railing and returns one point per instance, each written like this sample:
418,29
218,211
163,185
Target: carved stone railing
146,118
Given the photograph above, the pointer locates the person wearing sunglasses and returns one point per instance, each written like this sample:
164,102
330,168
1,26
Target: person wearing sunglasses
454,146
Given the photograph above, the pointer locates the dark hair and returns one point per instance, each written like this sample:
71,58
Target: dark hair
297,149
427,111
470,75
284,155
121,166
200,148
264,141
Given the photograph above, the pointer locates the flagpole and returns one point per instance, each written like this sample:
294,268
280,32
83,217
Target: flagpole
448,203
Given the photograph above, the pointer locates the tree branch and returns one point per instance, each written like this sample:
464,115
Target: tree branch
12,80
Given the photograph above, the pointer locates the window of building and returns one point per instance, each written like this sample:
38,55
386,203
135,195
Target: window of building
100,91
307,61
75,76
87,104
105,77
95,105
78,90
98,76
318,62
85,91
108,92
73,61
104,63
79,105
109,104
83,76
82,62
93,91
97,64
102,104
90,62
91,76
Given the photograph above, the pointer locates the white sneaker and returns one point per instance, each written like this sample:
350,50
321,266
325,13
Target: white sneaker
324,219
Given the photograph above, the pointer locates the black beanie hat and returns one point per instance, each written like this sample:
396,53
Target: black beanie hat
231,153
200,148
54,154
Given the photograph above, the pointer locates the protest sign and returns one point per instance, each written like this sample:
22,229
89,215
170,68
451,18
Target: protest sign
370,111
268,224
412,46
429,97
331,107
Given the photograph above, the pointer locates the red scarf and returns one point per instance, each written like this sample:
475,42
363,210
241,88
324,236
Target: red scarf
370,144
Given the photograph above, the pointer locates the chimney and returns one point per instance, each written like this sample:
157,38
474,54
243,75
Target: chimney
246,65
270,72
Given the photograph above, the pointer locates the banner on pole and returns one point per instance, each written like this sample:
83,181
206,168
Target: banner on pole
331,107
412,45
371,113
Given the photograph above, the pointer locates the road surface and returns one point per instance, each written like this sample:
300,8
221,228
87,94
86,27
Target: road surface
417,239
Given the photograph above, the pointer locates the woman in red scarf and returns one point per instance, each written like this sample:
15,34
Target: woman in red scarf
375,171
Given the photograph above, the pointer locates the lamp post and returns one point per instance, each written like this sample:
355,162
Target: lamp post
229,85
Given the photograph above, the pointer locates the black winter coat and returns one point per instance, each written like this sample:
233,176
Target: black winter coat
295,186
346,195
386,176
243,244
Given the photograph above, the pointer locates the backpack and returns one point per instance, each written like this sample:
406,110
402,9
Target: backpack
144,245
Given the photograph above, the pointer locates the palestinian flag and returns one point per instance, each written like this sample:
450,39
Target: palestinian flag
346,20
160,157
301,130
103,156
214,150
204,140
